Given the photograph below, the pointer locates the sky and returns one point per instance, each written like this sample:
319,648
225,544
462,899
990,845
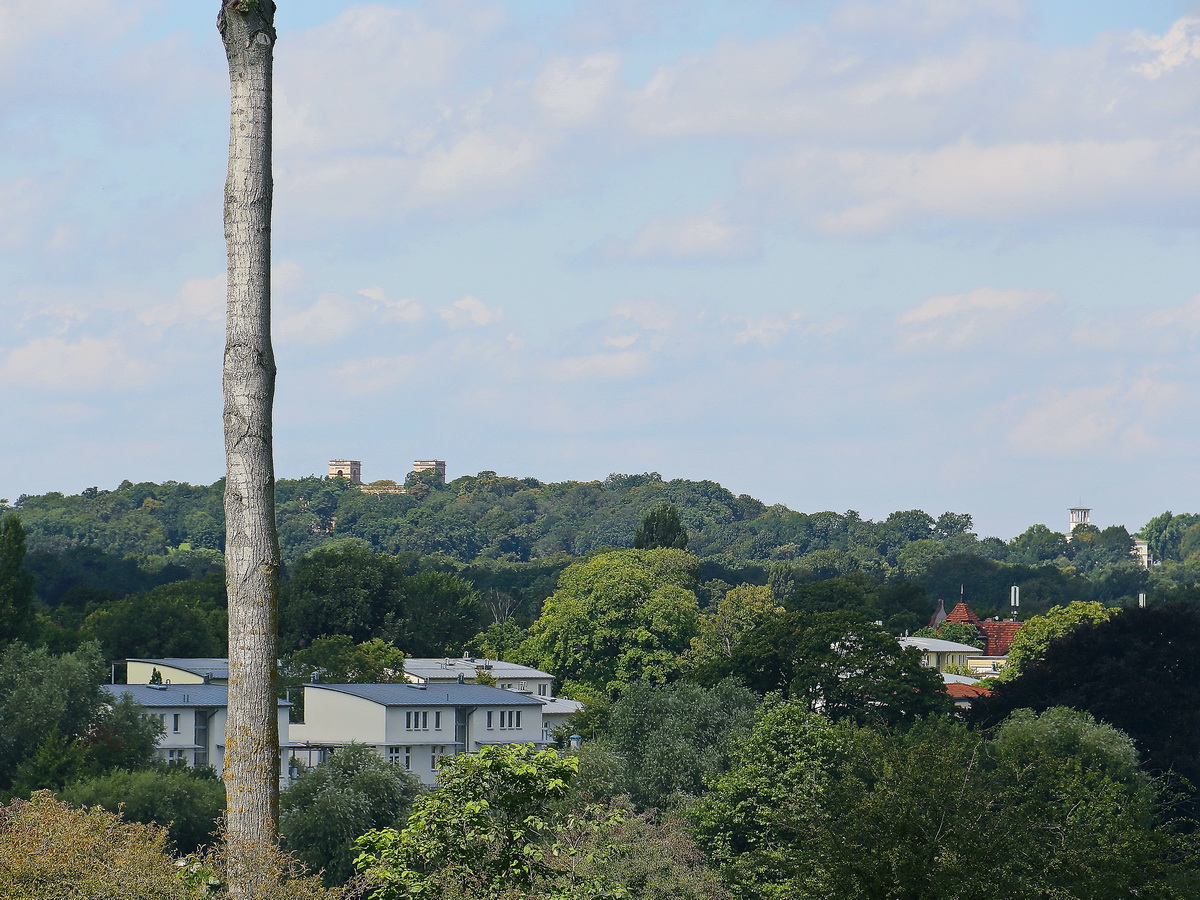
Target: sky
835,254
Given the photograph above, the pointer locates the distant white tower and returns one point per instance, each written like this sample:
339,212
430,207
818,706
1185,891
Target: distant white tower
1079,516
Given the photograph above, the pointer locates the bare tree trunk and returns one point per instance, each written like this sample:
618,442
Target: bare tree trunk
251,768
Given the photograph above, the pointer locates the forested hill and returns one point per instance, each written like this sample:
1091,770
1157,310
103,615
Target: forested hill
490,517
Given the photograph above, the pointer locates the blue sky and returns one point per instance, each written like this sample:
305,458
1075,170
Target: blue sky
838,255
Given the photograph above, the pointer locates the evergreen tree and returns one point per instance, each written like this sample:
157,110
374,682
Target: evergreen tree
661,528
16,582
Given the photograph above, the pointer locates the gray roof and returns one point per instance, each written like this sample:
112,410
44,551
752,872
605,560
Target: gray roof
158,695
431,695
937,645
214,667
450,667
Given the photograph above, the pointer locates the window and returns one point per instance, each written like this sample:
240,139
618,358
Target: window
393,755
507,686
489,719
175,754
416,721
518,718
435,754
175,723
437,720
408,757
541,690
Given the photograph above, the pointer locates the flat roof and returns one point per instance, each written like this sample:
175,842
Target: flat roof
429,695
214,667
160,695
452,666
936,645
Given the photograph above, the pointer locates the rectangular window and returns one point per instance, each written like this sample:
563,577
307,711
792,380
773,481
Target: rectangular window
541,690
393,755
424,721
518,718
437,719
175,723
489,718
408,757
507,686
174,754
408,723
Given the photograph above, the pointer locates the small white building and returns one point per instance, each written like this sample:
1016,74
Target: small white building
509,676
413,725
193,718
941,655
178,671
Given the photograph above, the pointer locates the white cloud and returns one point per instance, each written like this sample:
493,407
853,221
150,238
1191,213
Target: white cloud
959,321
1180,46
864,192
368,376
330,318
1069,423
470,311
199,300
705,236
403,310
601,366
89,366
573,91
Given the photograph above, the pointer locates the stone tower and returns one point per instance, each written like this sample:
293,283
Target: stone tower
346,468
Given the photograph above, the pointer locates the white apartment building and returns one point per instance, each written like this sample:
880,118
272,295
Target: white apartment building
193,718
413,725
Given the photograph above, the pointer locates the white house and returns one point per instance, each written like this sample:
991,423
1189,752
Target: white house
941,655
177,671
509,676
193,718
413,725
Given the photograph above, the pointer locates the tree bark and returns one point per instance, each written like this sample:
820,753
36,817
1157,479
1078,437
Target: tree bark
251,765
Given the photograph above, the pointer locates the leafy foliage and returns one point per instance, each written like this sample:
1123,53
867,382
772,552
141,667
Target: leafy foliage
840,664
52,851
671,738
817,809
185,802
661,528
328,807
617,618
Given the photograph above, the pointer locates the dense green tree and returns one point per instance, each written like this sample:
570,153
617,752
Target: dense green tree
661,528
338,659
504,824
1037,632
483,831
348,589
816,809
674,737
52,851
617,618
178,620
42,694
328,807
187,803
16,583
840,664
1133,671
722,625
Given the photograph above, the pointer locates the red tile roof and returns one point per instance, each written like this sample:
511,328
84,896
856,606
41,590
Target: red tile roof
958,689
999,636
963,615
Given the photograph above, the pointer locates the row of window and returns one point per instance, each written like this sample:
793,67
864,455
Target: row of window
419,720
404,755
508,718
